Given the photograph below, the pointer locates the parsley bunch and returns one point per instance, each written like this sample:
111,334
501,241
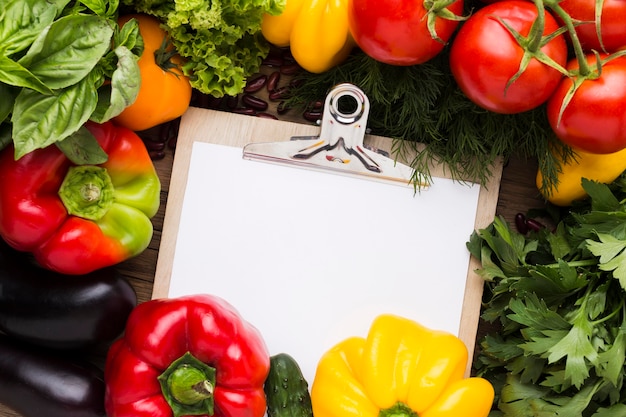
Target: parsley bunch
557,302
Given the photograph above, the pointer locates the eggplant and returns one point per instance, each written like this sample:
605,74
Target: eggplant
36,383
59,311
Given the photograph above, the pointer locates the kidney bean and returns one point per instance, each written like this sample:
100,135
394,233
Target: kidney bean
520,223
152,145
272,81
312,115
156,155
280,93
282,107
254,102
255,84
290,69
534,225
244,110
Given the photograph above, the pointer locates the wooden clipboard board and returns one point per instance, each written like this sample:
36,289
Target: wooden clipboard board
222,128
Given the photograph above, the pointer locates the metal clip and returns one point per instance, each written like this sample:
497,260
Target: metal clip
339,146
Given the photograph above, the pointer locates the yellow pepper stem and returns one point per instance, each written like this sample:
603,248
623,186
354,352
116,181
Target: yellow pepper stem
398,410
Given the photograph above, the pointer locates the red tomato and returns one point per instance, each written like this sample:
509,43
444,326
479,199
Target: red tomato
595,118
484,56
396,31
612,23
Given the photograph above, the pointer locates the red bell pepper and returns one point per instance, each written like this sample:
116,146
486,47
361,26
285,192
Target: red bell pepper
76,219
192,355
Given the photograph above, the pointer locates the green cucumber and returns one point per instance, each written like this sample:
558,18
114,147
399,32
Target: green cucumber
286,390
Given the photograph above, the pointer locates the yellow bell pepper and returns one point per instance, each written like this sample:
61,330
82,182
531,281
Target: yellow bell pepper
401,369
316,31
604,168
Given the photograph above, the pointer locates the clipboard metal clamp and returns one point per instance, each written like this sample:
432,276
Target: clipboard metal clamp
339,147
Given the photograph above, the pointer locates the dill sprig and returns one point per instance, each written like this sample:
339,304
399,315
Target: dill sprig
422,104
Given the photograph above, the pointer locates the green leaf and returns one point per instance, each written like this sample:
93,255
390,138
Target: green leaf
612,255
124,87
12,73
611,361
39,121
534,313
616,410
68,50
23,20
577,349
602,199
82,148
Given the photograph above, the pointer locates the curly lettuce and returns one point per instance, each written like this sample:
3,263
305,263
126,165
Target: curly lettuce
220,40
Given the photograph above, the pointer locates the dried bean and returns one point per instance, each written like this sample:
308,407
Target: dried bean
282,107
273,61
290,69
266,115
254,102
534,225
520,223
272,81
280,93
156,155
244,110
312,115
152,145
255,84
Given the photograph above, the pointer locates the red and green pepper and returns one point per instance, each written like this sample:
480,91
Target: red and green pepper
192,355
76,219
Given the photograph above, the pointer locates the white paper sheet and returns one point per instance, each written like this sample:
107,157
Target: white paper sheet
310,258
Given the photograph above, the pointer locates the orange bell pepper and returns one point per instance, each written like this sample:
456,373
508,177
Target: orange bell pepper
165,93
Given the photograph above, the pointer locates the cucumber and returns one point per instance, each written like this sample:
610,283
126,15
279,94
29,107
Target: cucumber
286,390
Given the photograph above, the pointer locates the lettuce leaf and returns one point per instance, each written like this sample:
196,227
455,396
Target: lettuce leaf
220,40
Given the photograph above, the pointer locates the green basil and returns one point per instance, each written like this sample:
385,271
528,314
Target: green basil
41,120
12,73
123,89
60,58
23,20
82,148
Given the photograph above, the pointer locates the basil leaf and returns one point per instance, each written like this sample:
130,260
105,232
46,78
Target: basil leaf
39,120
68,50
82,148
23,20
102,8
124,87
12,73
8,94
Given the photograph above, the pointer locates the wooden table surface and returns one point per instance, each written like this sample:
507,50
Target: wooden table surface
517,194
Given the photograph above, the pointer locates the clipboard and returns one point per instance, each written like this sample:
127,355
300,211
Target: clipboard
293,312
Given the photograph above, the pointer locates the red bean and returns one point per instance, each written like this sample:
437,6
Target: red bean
282,107
290,69
312,115
280,93
272,81
244,110
520,223
534,225
255,84
254,102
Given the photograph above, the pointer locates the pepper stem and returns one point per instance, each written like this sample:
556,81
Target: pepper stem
188,385
87,191
399,409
